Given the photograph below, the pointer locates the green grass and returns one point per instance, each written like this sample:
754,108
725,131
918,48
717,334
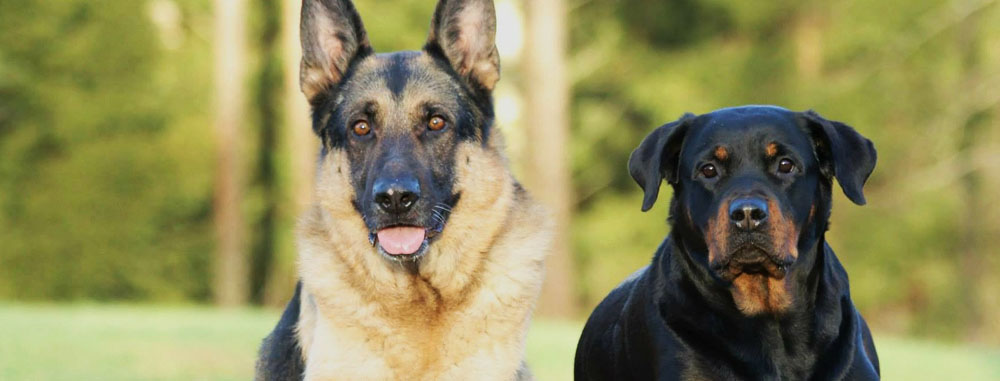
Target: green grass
91,342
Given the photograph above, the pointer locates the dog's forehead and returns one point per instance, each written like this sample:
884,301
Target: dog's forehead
403,75
748,130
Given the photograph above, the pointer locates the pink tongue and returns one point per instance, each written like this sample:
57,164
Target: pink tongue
401,239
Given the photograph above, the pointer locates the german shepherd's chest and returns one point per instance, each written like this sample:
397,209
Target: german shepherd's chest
462,314
480,340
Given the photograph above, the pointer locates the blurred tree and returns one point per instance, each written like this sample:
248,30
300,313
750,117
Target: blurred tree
268,105
105,185
231,262
298,154
546,121
671,24
972,239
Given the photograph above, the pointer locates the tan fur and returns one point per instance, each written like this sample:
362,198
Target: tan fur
473,52
771,149
313,80
317,73
483,64
758,293
721,153
463,315
754,294
718,233
783,231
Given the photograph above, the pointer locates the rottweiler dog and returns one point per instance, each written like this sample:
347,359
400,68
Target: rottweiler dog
745,287
421,257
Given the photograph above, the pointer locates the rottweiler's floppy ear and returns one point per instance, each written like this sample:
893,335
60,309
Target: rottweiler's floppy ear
332,36
464,32
657,158
851,156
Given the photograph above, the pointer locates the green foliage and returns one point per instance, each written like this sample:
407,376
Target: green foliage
105,182
401,25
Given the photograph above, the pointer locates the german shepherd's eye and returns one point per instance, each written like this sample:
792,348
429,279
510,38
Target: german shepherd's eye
709,171
786,166
361,128
436,123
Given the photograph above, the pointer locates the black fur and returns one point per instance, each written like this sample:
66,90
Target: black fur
677,318
280,355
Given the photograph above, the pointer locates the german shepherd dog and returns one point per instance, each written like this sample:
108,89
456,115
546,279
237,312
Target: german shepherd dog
421,256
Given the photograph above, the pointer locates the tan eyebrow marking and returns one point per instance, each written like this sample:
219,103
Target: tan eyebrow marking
721,153
771,149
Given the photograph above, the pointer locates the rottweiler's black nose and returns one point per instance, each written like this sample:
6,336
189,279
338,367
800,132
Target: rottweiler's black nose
748,213
396,195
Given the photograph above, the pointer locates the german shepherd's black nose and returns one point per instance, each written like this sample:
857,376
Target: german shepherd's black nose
748,213
396,195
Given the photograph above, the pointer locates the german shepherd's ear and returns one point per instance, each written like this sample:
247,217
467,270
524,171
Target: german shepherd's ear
464,32
658,158
842,153
332,37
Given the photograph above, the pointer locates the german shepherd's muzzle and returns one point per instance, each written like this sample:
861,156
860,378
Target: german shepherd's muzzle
403,201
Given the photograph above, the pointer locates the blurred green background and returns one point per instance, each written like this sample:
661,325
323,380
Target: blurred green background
108,165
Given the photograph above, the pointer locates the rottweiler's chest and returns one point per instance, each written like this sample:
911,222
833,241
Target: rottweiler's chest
765,361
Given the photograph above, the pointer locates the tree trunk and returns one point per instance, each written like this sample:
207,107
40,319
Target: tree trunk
546,90
301,146
267,105
970,248
808,42
230,286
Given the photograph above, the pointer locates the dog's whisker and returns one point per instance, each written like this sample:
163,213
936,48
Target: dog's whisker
438,217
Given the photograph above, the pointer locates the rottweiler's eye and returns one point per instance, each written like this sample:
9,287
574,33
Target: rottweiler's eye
709,171
361,128
436,123
786,166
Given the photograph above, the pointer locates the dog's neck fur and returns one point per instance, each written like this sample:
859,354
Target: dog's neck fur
789,341
804,278
468,302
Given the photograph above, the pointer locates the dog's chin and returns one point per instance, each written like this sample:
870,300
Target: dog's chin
751,260
756,279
